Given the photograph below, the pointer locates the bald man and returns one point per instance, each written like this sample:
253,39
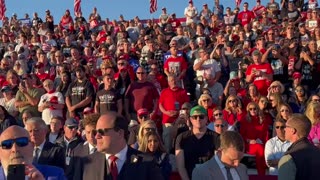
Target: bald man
114,155
16,148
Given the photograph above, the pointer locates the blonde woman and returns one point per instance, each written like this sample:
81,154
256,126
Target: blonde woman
233,112
254,130
146,126
205,101
313,113
275,100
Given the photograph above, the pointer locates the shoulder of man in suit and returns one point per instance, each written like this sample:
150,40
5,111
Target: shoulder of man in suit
140,157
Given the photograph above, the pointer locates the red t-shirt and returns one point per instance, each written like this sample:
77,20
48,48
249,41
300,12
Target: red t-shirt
232,118
142,95
168,98
176,65
261,82
245,17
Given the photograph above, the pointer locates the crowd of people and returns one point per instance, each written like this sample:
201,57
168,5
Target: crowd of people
124,99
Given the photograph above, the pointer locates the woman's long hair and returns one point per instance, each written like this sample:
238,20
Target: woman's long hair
261,115
141,129
144,142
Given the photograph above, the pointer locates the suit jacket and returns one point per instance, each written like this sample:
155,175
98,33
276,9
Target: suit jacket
52,155
47,171
210,170
137,166
81,151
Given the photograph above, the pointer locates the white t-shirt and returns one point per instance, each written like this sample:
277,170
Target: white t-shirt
48,113
209,66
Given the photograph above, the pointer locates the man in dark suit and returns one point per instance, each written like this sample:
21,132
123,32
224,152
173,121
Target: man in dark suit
86,148
45,152
115,159
16,148
226,163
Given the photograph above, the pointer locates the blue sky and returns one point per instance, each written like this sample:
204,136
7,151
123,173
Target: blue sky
108,8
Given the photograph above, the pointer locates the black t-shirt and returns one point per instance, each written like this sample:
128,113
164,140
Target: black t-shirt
108,100
77,92
197,151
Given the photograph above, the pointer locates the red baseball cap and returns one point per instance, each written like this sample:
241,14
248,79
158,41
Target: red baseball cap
142,111
297,75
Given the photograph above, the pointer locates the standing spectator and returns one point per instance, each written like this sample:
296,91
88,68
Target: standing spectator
55,129
245,17
218,9
8,101
197,145
258,9
259,73
27,97
205,12
226,163
273,8
302,157
191,13
108,99
276,147
49,20
45,152
51,104
141,94
170,101
79,94
164,17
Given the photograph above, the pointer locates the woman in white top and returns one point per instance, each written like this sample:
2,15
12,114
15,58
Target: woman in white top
8,101
52,103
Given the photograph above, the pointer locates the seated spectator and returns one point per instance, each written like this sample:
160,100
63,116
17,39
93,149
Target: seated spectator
151,144
25,116
220,126
276,147
134,126
284,112
298,102
205,101
233,112
145,127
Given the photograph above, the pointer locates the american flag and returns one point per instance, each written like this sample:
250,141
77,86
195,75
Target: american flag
153,6
77,6
3,9
238,2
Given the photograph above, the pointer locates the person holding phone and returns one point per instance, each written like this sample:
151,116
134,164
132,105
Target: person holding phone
16,158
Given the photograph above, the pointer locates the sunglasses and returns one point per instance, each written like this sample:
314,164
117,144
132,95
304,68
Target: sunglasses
21,142
197,116
218,114
233,100
219,125
280,127
143,116
284,110
104,131
140,72
72,127
150,129
252,109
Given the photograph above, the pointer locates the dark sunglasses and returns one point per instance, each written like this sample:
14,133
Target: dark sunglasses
284,110
197,116
252,109
143,116
219,125
72,127
21,142
104,131
218,114
150,129
140,72
280,127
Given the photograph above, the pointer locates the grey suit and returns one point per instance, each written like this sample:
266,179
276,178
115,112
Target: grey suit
210,170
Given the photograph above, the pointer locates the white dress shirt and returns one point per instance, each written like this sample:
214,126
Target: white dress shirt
274,149
233,171
40,147
122,157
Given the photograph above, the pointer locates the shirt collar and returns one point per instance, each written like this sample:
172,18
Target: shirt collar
40,146
220,164
278,139
122,155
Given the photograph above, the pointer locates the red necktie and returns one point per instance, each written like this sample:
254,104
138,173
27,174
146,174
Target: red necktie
113,166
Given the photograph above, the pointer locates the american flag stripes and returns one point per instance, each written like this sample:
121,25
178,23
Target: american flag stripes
238,2
153,6
3,9
77,6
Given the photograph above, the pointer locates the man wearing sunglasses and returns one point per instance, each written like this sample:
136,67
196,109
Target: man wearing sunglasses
70,139
197,145
115,160
45,152
276,147
16,148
